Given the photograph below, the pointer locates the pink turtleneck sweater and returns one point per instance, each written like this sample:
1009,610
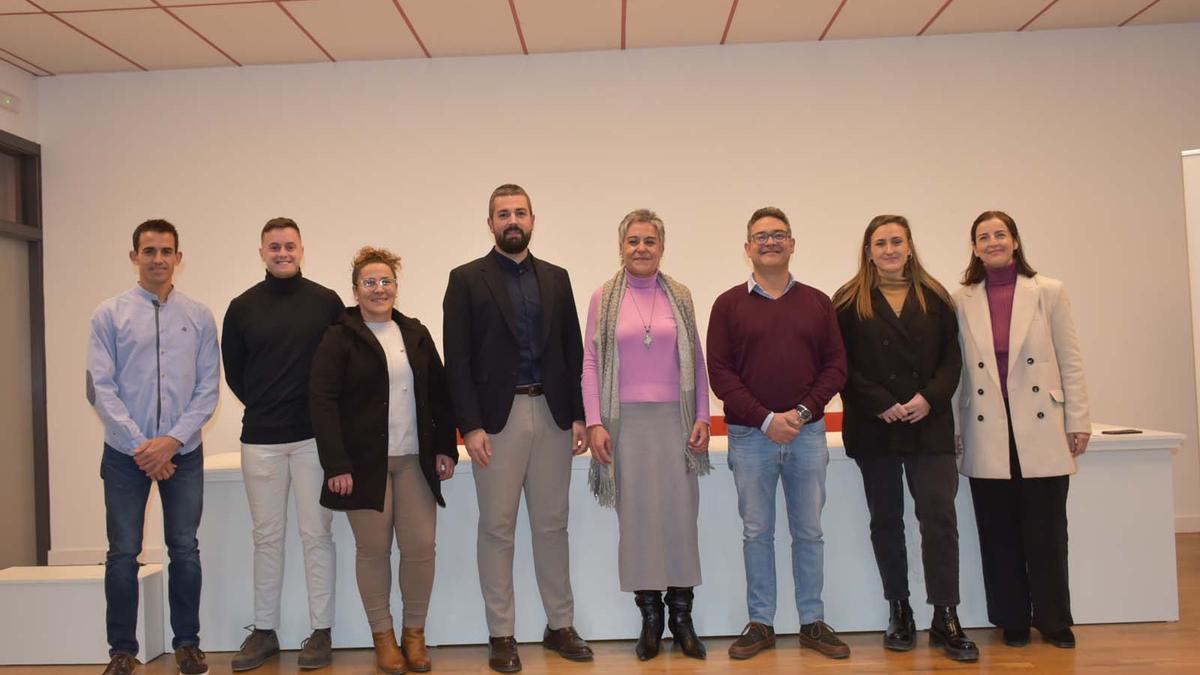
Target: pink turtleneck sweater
1000,285
646,375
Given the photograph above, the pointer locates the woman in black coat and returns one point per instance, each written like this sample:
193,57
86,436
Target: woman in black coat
902,349
385,435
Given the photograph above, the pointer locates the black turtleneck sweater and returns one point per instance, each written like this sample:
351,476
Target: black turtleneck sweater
267,343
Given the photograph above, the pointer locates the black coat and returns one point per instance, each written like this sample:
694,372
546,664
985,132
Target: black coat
482,357
348,397
891,359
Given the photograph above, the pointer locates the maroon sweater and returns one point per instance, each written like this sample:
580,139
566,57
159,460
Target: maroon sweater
1000,285
768,355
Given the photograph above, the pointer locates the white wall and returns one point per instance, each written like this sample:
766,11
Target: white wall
22,123
1075,133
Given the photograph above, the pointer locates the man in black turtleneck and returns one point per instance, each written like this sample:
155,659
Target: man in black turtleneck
270,334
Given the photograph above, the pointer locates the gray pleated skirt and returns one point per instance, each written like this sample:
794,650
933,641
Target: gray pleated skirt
657,500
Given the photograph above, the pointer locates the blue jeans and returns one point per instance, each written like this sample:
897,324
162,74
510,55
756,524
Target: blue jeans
757,464
126,490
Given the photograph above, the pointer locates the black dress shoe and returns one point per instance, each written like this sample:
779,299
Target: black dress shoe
502,654
650,639
567,643
1063,638
679,603
901,633
946,632
1016,637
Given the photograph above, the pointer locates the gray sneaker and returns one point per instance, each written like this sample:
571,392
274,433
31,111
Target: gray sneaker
190,660
258,646
317,650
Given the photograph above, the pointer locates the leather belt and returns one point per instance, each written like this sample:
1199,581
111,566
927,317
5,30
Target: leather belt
530,389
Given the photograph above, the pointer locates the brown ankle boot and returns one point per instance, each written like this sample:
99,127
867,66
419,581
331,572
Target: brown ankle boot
412,643
388,656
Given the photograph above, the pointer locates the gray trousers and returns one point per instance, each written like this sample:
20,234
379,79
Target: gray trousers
532,454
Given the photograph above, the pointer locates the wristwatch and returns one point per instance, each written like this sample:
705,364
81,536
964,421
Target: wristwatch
805,414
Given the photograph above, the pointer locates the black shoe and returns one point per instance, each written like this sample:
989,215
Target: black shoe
650,639
947,633
1016,637
258,646
901,635
1063,638
679,603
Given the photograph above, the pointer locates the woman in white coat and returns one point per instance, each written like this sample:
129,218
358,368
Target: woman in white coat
1021,420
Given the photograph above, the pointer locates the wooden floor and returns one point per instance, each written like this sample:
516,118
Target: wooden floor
1119,648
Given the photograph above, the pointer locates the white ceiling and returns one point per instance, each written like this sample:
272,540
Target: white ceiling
51,37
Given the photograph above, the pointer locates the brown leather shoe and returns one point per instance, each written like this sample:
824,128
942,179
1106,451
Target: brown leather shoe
567,643
820,636
502,654
122,664
755,637
388,656
412,643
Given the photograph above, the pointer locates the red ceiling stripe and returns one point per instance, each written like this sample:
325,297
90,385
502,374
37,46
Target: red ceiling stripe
1139,13
832,19
411,29
624,13
934,17
84,34
305,31
195,32
729,21
18,65
14,64
517,22
1038,15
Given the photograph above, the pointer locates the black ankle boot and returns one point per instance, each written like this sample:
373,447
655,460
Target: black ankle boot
651,604
901,633
947,633
679,602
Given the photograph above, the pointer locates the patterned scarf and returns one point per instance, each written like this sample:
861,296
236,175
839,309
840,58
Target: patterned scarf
602,477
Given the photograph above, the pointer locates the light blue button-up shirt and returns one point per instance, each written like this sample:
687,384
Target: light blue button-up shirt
154,368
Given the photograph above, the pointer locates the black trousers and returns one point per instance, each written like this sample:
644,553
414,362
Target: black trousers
933,483
1023,542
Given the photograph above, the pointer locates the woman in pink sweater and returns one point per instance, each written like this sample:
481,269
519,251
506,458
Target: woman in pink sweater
645,395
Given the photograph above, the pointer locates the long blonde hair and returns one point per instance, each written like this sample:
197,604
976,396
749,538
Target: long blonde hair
858,289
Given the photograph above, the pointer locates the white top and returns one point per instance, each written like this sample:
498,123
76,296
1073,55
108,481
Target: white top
402,403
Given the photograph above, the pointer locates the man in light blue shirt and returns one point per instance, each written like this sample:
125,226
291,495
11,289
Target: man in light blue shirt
153,377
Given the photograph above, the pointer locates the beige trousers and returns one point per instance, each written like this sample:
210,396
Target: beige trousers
410,511
534,455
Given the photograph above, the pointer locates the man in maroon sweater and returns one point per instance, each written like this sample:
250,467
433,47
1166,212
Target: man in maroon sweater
775,358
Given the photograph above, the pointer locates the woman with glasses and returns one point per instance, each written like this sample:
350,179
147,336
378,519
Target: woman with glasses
645,396
382,417
902,350
1022,417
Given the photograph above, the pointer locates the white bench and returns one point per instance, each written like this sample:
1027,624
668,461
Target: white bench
55,615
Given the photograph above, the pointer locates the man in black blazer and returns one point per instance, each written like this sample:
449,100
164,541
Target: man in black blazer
514,356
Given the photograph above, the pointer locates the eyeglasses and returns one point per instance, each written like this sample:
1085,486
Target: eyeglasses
386,283
777,236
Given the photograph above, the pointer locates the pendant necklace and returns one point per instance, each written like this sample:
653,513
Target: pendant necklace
646,339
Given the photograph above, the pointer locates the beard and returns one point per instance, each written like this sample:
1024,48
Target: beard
513,245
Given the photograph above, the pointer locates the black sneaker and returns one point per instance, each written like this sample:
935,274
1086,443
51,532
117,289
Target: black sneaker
121,664
258,646
190,660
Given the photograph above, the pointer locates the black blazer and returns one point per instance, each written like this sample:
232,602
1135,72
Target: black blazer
479,336
348,397
890,360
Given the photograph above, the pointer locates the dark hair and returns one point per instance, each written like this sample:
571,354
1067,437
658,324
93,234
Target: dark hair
368,255
508,190
767,212
279,224
858,290
975,272
155,225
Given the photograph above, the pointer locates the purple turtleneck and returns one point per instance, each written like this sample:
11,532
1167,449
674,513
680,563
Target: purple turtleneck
1000,283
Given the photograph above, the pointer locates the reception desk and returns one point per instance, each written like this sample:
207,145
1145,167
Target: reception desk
1122,544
